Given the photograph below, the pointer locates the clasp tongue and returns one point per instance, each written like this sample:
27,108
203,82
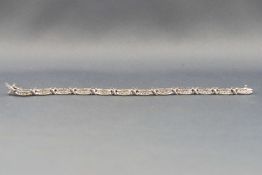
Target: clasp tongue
248,90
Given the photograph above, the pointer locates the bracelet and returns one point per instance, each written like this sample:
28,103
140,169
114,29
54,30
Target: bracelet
18,91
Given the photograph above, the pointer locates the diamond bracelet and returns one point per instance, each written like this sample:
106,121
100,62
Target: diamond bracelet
18,91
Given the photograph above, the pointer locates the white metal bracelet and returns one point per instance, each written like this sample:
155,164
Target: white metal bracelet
18,91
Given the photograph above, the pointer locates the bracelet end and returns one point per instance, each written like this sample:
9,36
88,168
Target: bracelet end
12,88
